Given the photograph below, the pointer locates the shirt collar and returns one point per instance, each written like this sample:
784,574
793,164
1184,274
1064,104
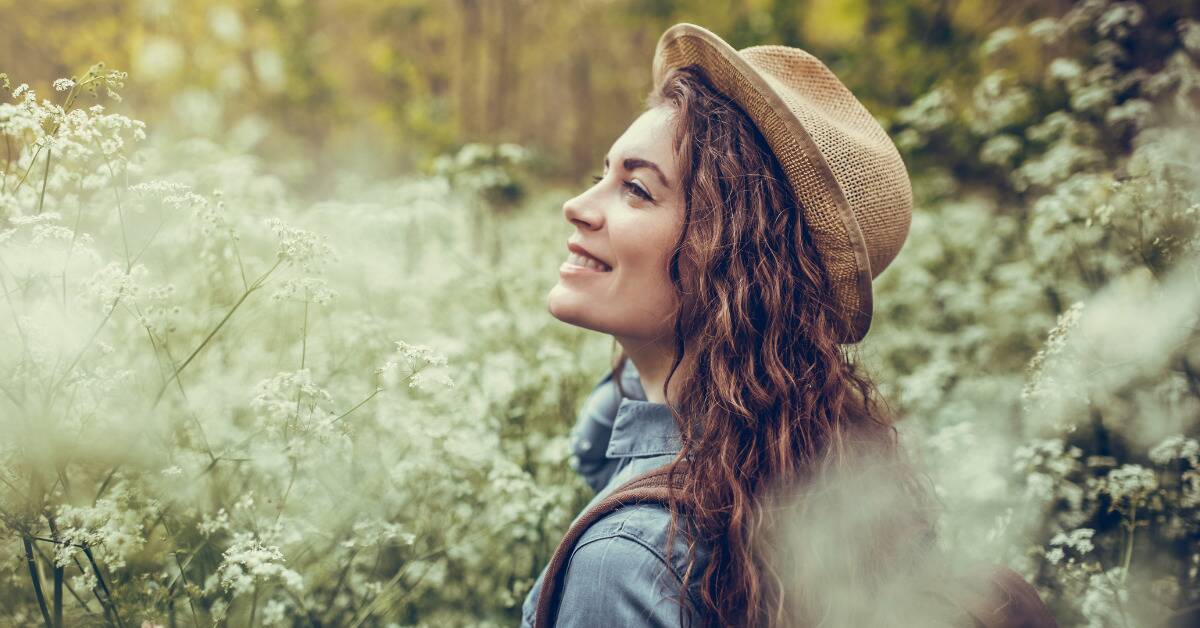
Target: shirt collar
643,428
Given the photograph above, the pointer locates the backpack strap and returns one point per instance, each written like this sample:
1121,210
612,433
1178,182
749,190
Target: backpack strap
1006,601
996,596
649,487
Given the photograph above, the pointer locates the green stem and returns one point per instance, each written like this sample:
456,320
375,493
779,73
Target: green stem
112,175
71,246
87,551
253,606
58,570
37,581
303,355
192,415
357,406
58,595
55,384
104,485
288,490
182,575
45,178
238,252
83,572
257,284
1129,544
7,164
12,307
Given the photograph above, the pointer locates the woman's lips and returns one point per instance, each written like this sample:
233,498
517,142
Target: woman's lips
570,268
581,256
583,262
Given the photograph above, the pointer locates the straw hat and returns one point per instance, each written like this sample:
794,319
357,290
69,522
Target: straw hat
844,170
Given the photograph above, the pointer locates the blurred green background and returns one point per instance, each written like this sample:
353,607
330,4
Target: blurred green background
380,86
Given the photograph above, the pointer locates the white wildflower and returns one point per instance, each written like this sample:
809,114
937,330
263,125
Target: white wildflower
85,581
1048,454
278,399
1191,489
999,100
274,613
1078,540
1119,18
246,502
933,110
1045,29
513,152
112,527
1039,487
112,282
430,381
998,40
1130,482
218,610
300,247
1104,597
1177,447
209,526
1037,383
420,354
1189,35
1065,69
247,562
376,532
305,289
999,150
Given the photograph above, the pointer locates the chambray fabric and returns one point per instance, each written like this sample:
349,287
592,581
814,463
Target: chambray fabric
618,573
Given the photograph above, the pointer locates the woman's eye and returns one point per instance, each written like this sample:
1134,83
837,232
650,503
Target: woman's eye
633,188
638,191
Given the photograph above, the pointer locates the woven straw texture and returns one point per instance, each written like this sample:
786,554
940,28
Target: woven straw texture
844,170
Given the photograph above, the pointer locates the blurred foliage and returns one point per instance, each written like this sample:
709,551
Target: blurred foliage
387,85
211,410
1043,315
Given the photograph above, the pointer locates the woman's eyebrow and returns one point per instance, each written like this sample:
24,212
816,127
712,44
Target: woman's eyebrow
633,163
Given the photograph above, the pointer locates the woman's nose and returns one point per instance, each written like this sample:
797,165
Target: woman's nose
581,211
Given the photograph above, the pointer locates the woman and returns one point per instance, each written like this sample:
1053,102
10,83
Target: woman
729,247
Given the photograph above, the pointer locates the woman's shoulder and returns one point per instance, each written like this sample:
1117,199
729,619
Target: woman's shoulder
621,563
638,533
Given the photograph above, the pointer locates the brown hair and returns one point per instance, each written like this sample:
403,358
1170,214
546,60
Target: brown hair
770,401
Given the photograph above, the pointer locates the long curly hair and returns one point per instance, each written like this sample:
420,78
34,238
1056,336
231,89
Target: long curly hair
772,401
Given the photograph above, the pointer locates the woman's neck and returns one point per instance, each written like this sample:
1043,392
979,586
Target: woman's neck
653,362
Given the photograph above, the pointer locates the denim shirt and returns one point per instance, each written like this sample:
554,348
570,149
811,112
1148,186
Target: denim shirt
618,573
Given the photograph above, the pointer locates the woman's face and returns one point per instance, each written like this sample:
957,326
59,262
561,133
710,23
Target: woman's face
629,220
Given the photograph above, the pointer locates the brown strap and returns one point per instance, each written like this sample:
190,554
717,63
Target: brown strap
1001,598
1009,602
649,487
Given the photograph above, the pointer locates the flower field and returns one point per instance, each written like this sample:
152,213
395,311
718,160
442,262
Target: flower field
223,402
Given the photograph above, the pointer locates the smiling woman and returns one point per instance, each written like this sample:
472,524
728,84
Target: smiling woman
629,222
749,208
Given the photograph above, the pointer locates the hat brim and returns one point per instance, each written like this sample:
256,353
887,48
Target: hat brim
686,44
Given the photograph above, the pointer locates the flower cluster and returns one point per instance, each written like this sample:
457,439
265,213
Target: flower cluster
248,563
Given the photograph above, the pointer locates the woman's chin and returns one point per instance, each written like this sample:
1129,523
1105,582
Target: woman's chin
569,307
562,304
